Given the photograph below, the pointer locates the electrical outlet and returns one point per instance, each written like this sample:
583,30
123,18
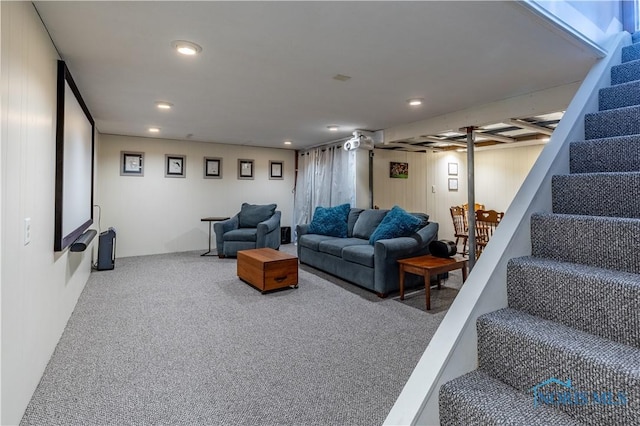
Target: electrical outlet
27,230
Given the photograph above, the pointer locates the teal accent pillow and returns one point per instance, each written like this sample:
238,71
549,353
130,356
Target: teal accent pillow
252,214
397,223
330,221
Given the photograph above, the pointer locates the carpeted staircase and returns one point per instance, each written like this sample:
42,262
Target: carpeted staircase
567,349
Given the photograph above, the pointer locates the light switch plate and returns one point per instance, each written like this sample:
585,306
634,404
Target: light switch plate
27,230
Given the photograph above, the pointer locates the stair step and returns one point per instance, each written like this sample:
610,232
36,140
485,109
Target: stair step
624,73
602,242
631,53
619,154
597,194
594,300
478,399
613,122
619,96
524,351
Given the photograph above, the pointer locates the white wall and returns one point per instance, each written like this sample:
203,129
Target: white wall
39,287
153,214
410,193
499,173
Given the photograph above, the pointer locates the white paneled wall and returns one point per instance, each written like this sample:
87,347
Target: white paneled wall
154,214
498,176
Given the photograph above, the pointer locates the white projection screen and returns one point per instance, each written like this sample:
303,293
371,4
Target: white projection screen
74,163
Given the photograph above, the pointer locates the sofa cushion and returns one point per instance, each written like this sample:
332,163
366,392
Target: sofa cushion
424,218
241,234
330,221
335,245
361,254
367,222
252,214
354,213
397,223
312,241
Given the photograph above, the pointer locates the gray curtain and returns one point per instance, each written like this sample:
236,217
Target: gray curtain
326,177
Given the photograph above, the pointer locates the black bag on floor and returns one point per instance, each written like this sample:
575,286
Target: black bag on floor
443,248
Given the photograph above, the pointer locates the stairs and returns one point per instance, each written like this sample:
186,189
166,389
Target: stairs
567,349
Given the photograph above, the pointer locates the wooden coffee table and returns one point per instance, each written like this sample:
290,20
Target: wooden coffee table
268,269
427,266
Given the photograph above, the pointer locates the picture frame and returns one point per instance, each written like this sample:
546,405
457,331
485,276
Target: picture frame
276,170
453,184
175,166
131,163
453,169
398,170
212,168
245,169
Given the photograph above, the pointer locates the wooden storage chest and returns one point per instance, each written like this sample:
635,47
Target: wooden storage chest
268,269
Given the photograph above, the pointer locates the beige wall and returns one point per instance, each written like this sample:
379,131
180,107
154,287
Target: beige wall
498,176
153,214
39,287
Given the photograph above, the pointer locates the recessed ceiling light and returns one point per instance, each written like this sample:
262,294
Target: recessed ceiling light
287,142
164,105
415,101
333,128
154,129
186,47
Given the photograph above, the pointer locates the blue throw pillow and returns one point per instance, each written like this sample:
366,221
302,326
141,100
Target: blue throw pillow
397,223
330,221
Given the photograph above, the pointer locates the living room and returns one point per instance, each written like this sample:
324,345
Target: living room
154,214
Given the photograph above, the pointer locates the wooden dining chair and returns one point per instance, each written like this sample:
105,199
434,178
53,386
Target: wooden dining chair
465,206
459,226
486,223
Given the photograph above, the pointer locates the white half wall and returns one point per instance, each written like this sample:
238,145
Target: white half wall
39,287
154,214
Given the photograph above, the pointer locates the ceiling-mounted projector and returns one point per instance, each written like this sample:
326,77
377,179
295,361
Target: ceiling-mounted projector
361,139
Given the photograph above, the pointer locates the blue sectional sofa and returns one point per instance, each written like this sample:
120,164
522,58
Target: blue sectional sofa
354,259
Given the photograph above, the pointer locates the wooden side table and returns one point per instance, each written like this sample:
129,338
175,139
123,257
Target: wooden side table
211,220
427,266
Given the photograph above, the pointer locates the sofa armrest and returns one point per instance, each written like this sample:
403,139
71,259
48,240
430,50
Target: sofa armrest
225,226
398,248
270,224
301,230
268,232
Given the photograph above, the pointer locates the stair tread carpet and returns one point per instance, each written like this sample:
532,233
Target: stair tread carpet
624,73
619,96
597,301
614,122
608,194
478,399
631,53
524,351
603,242
617,154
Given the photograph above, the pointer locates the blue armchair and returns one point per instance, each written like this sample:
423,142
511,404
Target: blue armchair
255,226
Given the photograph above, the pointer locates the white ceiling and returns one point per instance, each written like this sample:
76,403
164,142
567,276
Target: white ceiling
265,72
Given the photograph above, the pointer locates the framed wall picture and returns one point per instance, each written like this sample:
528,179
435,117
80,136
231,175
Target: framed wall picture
398,170
212,168
245,169
276,169
175,165
453,184
131,163
453,169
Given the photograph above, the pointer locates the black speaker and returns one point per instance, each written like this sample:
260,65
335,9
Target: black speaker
285,235
443,248
107,250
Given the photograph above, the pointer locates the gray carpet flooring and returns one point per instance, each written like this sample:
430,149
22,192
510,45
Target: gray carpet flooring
179,339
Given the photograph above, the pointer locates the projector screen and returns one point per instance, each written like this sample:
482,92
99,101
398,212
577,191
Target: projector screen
74,163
